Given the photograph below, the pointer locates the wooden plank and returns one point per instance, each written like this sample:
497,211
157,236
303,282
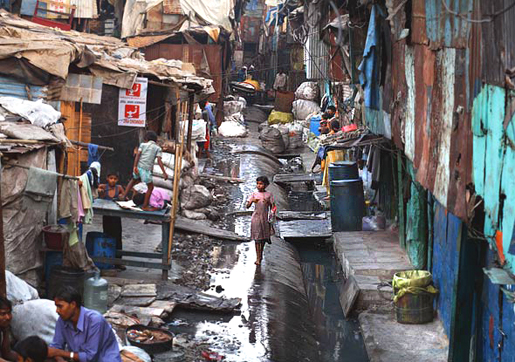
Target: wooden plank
139,290
199,227
111,208
348,295
301,215
296,177
300,229
140,264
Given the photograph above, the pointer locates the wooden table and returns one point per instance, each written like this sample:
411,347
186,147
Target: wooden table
111,208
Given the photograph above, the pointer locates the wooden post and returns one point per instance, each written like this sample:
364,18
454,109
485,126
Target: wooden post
402,220
191,100
3,287
79,140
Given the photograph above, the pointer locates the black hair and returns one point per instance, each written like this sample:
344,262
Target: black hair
335,125
139,199
151,136
5,304
333,108
69,294
202,103
326,116
263,179
113,174
32,347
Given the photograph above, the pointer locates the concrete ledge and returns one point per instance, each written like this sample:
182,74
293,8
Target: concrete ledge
388,341
369,259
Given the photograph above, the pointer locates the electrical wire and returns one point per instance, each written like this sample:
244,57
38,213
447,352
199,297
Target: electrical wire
477,21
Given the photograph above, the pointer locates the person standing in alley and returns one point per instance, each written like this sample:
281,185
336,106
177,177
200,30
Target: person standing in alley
260,228
281,81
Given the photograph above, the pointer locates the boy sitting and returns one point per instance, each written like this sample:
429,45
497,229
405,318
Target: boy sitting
144,164
112,225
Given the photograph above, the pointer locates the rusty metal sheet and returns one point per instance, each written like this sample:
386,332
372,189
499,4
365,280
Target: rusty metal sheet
474,61
445,29
396,17
418,22
498,55
171,7
408,136
424,78
399,89
192,53
145,41
460,161
250,28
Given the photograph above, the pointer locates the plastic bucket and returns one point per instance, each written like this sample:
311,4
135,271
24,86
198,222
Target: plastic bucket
314,125
100,245
347,205
55,236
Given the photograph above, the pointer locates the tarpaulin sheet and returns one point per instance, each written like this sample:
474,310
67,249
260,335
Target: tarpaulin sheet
214,12
22,227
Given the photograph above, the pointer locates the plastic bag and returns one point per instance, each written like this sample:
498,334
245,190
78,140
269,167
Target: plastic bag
308,91
232,129
195,197
129,353
34,318
303,109
272,139
18,290
276,117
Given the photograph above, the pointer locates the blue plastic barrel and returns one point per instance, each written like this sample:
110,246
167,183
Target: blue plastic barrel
343,170
100,245
347,205
52,258
314,125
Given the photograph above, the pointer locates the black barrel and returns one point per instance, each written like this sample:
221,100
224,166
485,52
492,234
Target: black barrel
61,276
347,205
343,170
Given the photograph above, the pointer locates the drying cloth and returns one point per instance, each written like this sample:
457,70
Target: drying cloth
40,189
93,155
370,67
87,199
68,202
96,166
80,208
75,254
332,156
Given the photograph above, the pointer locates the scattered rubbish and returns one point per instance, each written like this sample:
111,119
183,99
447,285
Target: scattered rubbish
152,340
177,323
134,354
219,289
121,320
212,356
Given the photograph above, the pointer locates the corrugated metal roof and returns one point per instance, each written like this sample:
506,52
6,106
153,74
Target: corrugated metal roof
445,29
10,87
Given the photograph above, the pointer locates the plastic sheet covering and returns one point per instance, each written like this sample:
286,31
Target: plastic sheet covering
214,12
413,282
134,15
22,227
38,113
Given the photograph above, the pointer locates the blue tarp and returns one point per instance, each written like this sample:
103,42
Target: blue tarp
272,13
369,67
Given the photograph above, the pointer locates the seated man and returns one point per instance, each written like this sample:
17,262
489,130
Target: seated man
86,334
5,324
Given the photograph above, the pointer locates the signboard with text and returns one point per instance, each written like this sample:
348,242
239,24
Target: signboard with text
132,104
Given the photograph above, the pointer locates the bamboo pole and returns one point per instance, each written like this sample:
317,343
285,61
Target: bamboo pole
179,149
80,139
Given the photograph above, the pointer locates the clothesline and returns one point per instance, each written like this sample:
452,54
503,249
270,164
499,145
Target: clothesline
57,173
83,144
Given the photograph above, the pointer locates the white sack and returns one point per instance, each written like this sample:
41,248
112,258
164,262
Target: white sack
307,91
38,113
232,129
232,107
193,215
169,159
138,352
195,197
34,318
302,109
19,291
198,129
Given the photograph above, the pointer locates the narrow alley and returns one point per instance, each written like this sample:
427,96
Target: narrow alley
257,180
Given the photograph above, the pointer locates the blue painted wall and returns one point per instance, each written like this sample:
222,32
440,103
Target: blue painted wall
446,235
492,314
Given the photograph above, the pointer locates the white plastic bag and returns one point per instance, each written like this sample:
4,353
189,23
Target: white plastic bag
302,109
18,290
232,129
307,91
34,318
138,352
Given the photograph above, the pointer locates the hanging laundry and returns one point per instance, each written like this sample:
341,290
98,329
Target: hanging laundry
40,189
68,202
87,198
93,155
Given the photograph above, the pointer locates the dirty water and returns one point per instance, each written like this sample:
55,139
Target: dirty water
290,305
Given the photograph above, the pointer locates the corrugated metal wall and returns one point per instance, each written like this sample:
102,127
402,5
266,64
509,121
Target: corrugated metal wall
316,53
10,87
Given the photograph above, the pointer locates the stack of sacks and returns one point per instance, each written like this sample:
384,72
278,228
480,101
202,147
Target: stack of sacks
305,104
234,122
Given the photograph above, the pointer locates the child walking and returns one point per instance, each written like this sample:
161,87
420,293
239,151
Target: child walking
260,227
144,164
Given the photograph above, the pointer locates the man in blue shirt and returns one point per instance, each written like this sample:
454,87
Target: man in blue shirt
81,334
